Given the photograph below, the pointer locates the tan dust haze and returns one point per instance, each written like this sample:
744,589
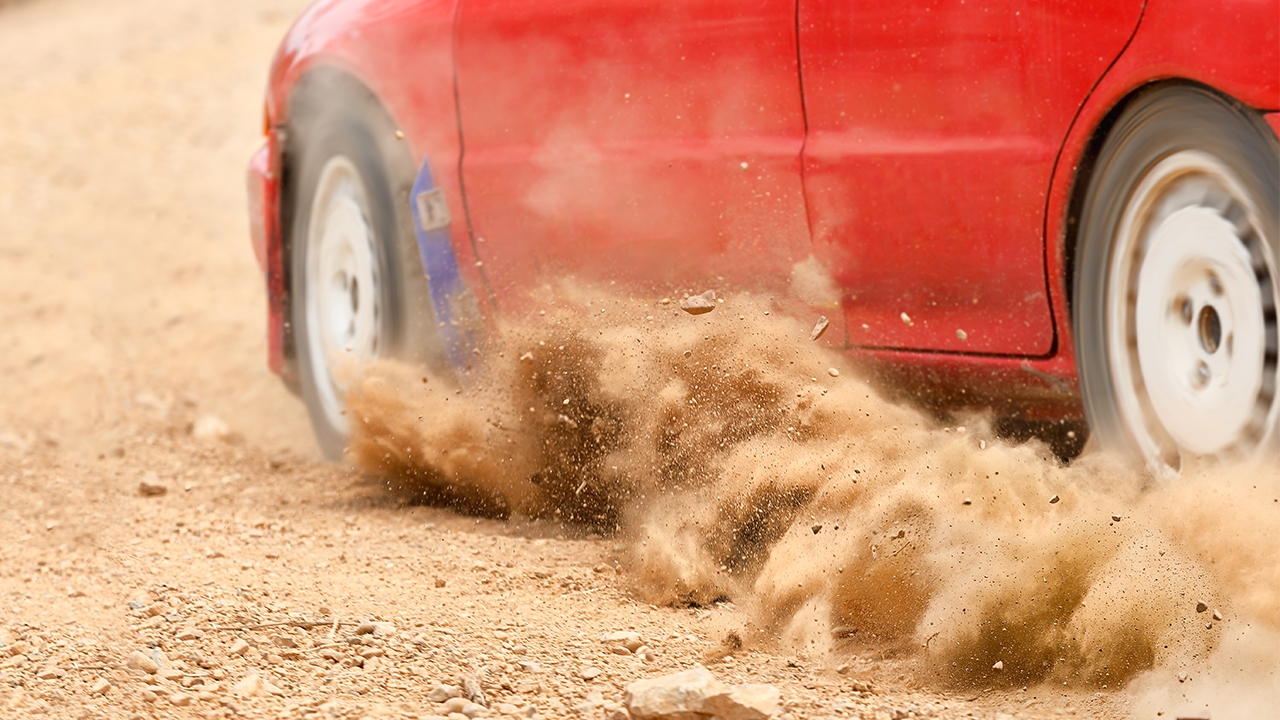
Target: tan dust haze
742,461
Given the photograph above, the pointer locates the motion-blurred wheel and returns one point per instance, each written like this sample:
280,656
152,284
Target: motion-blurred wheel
356,277
1175,282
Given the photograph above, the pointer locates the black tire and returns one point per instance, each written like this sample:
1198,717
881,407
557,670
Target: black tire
1175,157
336,123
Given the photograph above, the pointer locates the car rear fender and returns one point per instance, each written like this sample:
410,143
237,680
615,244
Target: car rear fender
1232,46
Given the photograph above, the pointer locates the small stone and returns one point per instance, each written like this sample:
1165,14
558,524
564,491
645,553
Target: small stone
50,672
998,666
530,666
188,634
210,427
816,529
171,674
819,328
626,639
442,692
150,486
1054,500
100,687
906,319
526,358
455,704
253,685
619,650
1201,606
1217,615
138,660
440,582
699,304
961,335
589,673
1115,517
968,501
181,699
646,653
474,710
239,647
148,696
1183,677
833,372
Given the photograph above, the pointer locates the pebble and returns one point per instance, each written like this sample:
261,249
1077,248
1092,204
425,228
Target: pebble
699,304
253,685
455,704
138,660
833,372
50,672
626,640
819,328
589,673
442,692
150,486
1201,606
1115,517
1217,615
100,687
998,666
239,647
210,427
1054,500
181,699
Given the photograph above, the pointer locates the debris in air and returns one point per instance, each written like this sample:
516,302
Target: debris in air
1054,500
699,304
1115,518
906,319
1201,606
962,335
816,529
820,328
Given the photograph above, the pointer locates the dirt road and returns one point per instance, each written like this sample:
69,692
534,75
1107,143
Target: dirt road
171,545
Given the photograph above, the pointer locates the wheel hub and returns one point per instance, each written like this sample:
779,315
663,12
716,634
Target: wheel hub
1193,341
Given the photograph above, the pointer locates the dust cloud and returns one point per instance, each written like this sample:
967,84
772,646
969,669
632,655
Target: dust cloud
742,462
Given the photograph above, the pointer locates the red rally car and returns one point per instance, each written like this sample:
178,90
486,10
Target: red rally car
1059,210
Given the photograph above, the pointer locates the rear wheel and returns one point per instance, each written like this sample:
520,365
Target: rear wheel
358,292
1176,283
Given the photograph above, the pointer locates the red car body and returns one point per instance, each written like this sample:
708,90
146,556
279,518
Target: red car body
927,153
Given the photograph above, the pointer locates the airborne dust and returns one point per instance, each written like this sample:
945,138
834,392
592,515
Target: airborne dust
741,461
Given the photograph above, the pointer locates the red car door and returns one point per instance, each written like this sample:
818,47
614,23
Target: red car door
630,139
934,126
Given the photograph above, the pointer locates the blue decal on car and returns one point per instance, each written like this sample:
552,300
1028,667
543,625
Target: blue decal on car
455,307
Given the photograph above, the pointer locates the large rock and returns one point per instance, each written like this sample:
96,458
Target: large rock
745,702
696,695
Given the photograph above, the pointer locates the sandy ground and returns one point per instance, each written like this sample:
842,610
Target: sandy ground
130,310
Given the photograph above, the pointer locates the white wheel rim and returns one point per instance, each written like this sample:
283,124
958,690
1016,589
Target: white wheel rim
342,286
1191,321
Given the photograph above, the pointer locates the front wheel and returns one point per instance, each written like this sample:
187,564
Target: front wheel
357,287
1174,302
